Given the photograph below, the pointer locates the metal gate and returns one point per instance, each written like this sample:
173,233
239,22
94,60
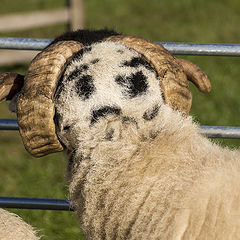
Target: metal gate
174,48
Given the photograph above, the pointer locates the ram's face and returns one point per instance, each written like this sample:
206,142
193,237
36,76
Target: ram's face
79,89
103,82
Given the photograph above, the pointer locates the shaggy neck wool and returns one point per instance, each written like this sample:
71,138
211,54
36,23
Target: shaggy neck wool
133,187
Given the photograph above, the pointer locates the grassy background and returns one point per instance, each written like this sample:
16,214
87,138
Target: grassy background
213,21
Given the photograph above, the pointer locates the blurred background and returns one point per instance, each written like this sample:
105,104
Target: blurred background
205,21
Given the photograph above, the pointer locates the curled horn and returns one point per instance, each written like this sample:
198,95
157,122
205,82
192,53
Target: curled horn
35,107
196,75
173,73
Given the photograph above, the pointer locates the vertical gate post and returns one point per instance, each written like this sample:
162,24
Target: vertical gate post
76,14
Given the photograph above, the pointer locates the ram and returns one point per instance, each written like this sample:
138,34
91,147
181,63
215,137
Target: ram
138,168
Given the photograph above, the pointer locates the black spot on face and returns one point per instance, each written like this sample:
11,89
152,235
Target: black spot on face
134,85
126,119
94,61
153,135
151,113
78,55
76,73
138,61
84,86
84,67
104,111
67,127
109,135
120,51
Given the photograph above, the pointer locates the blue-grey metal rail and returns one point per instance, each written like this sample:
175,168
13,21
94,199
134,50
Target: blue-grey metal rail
208,49
35,203
24,43
8,124
220,131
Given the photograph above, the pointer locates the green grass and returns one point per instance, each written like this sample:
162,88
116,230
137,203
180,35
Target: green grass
215,21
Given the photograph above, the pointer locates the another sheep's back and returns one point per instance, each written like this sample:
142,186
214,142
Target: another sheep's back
13,227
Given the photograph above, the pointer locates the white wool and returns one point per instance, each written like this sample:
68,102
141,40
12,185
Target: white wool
12,227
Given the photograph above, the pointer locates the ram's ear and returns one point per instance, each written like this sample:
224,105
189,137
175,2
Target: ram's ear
10,86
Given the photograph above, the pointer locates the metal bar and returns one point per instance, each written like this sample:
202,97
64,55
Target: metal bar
8,124
209,131
35,203
220,132
24,43
208,49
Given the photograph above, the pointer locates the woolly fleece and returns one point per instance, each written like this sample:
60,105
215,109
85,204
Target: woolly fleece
136,177
12,227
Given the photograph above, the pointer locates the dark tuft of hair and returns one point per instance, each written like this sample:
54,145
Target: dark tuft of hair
103,112
134,85
150,114
86,37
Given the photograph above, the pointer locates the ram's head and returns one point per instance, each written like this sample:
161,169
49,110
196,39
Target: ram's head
35,92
